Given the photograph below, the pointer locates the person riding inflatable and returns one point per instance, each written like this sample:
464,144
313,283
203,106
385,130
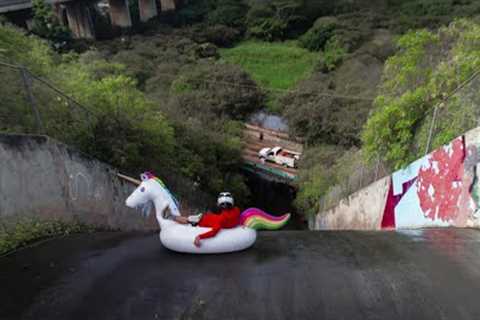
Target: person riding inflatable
226,216
177,232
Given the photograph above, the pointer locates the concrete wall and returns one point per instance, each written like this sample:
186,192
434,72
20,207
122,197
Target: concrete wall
79,20
168,5
120,13
441,189
148,9
360,211
44,178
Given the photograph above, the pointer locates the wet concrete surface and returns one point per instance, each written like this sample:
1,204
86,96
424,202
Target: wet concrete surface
419,274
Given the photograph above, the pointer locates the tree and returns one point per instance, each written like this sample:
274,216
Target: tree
46,25
427,68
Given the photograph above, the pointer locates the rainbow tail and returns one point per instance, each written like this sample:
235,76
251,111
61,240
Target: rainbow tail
257,219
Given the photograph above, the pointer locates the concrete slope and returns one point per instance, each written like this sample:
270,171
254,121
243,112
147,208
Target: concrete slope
422,274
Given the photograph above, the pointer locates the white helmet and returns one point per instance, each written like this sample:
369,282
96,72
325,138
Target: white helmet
225,198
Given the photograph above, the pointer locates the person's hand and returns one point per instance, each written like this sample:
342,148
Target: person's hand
196,242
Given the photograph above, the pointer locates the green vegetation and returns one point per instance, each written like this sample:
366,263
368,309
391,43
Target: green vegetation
46,25
27,230
334,53
316,177
192,134
274,20
428,66
215,12
277,65
35,52
318,35
285,19
416,14
326,66
227,12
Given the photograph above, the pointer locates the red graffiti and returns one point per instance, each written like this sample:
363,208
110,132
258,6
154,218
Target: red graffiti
388,220
439,184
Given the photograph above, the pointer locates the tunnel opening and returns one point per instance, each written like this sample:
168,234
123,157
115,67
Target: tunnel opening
276,198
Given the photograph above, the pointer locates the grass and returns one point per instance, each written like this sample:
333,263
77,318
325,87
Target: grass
27,230
273,65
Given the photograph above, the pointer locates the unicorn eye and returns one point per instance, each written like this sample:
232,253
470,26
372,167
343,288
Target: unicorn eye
142,189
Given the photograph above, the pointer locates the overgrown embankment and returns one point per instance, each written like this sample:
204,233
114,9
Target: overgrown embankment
319,64
180,128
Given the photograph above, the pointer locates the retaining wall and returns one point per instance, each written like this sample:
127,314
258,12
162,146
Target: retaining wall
44,178
441,189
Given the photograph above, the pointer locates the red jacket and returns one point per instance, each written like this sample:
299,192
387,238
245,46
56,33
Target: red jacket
227,218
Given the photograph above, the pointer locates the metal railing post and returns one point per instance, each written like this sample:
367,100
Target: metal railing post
27,84
361,177
377,167
429,141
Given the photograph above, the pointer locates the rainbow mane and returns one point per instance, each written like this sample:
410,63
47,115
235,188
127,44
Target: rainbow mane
259,220
150,175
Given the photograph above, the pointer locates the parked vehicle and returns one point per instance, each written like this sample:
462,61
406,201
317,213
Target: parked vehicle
280,156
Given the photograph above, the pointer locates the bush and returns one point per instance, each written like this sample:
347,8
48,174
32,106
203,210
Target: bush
334,53
228,12
349,32
126,127
262,24
427,7
428,66
315,177
209,153
430,14
194,11
220,35
318,35
221,90
317,111
34,52
276,20
18,48
46,25
139,68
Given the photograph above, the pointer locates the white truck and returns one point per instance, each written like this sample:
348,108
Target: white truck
280,156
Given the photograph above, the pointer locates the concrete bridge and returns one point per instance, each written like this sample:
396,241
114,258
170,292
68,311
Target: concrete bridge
77,15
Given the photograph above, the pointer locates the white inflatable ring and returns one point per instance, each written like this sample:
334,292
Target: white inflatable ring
180,238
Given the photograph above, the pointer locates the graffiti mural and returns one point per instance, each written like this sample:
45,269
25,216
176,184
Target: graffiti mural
439,189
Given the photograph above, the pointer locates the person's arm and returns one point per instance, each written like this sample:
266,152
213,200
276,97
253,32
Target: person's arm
209,234
212,233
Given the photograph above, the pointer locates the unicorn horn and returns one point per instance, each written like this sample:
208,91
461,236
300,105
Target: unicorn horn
129,179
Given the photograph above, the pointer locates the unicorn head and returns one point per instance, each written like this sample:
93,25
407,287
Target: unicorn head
152,189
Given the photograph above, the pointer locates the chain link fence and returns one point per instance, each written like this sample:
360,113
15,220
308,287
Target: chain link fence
457,113
32,105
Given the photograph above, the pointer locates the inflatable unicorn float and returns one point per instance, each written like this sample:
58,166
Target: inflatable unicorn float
179,237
